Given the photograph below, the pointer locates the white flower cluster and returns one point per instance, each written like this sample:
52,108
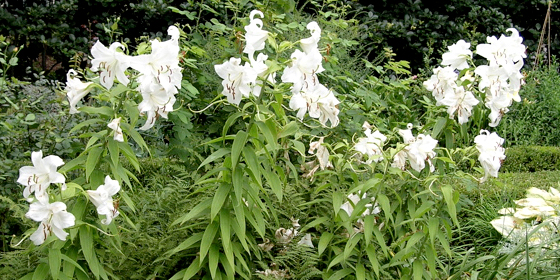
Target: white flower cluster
247,79
536,214
241,80
500,80
159,80
418,150
491,153
53,217
308,94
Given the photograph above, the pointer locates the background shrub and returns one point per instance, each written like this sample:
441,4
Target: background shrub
531,159
412,28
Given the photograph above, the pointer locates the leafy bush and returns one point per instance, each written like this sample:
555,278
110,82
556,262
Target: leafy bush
531,159
415,28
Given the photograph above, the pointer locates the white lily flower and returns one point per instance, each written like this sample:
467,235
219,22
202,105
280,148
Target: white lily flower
371,145
255,37
461,102
442,83
75,90
162,64
238,79
319,102
115,125
419,150
491,152
309,45
102,198
457,55
303,70
38,177
110,62
322,153
156,102
53,217
306,241
503,50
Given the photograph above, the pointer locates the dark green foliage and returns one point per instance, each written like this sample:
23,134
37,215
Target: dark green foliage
531,159
411,27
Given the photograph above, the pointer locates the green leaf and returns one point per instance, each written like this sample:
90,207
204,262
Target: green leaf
385,206
219,198
372,257
67,269
131,109
414,239
238,144
417,269
214,156
252,163
135,135
85,123
360,271
337,199
186,244
86,241
433,227
73,164
289,129
189,272
129,154
324,242
447,192
268,134
113,147
54,262
13,61
230,121
93,158
195,212
274,183
40,272
103,110
369,223
225,233
351,244
341,274
213,257
208,239
336,260
438,127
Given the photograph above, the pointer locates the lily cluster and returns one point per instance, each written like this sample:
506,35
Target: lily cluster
418,150
535,219
158,81
53,217
499,81
492,154
242,80
308,94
